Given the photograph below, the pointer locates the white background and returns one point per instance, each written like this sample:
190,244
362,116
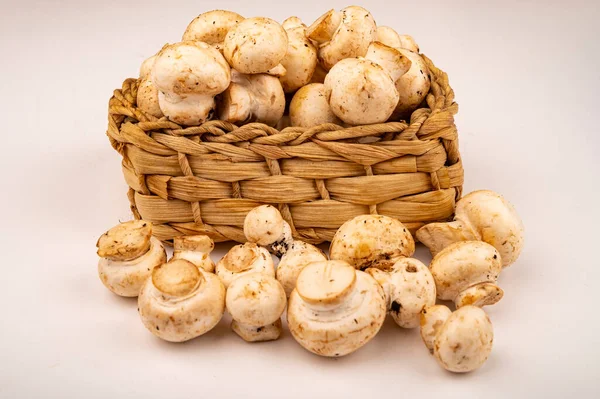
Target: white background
526,76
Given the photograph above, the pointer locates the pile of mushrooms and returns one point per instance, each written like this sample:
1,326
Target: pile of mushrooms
341,69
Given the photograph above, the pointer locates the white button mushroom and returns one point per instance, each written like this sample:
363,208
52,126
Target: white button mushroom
388,58
255,45
466,273
256,302
409,288
309,107
211,27
345,34
128,254
413,86
481,216
295,259
147,94
388,36
181,301
265,226
195,249
244,259
372,241
188,76
335,309
301,57
407,42
252,98
460,341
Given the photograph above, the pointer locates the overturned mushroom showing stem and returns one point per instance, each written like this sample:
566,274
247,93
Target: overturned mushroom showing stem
298,256
128,254
407,42
461,341
147,94
188,76
466,273
244,259
344,34
211,27
301,57
181,301
195,249
480,216
372,241
335,309
256,302
389,58
255,45
252,98
409,288
265,226
309,107
413,86
388,36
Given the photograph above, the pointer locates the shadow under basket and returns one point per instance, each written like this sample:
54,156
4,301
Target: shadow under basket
205,179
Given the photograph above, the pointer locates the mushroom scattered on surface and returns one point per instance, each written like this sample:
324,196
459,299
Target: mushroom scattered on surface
211,27
255,45
128,254
388,36
147,94
372,241
256,302
407,42
188,75
265,226
344,34
461,341
195,249
301,57
409,288
244,259
413,86
335,309
181,301
309,107
480,216
298,256
466,273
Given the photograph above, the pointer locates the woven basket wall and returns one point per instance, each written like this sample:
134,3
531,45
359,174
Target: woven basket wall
203,180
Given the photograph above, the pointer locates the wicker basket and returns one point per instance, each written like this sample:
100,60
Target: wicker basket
203,180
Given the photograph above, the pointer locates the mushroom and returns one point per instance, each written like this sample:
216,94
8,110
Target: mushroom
466,273
244,259
345,34
128,254
388,58
295,259
481,216
265,226
388,36
309,107
409,288
147,94
407,42
256,302
461,341
181,301
301,57
211,27
335,309
255,45
360,92
195,249
188,76
372,241
252,98
413,86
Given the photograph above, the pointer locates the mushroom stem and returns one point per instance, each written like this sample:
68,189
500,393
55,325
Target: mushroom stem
322,30
437,236
479,295
249,333
384,280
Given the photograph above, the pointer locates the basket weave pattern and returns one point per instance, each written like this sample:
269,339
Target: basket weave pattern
204,179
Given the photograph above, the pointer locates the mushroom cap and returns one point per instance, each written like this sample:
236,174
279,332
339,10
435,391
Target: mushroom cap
360,92
463,265
309,107
371,241
255,299
125,241
211,27
255,45
413,86
407,42
432,319
179,318
464,342
195,249
126,277
389,59
292,22
265,226
248,333
352,317
494,221
300,59
147,66
244,259
187,68
295,259
388,36
147,98
191,110
350,38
